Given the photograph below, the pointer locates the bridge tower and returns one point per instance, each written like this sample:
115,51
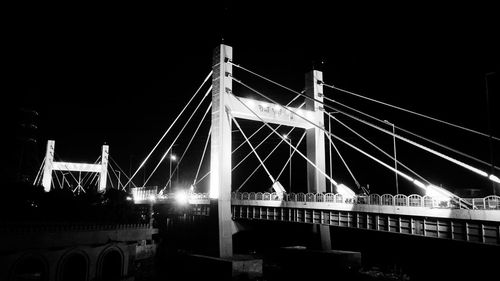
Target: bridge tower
50,166
315,143
220,146
224,106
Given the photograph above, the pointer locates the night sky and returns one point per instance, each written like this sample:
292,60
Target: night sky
121,74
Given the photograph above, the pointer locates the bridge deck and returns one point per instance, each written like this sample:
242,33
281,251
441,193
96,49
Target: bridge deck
411,215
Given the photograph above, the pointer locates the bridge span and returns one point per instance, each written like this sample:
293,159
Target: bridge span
474,220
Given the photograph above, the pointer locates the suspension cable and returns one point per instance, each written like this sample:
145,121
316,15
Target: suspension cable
202,178
330,154
447,147
80,186
291,155
256,131
57,178
460,163
345,91
65,179
250,153
265,78
121,170
258,145
170,127
117,178
110,181
253,149
178,135
257,168
378,148
492,177
202,155
205,175
95,178
300,153
87,175
85,178
411,133
187,147
66,165
39,173
408,111
328,106
319,127
343,161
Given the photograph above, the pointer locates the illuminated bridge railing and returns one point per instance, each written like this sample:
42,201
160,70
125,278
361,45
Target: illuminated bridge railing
144,193
487,203
149,196
491,202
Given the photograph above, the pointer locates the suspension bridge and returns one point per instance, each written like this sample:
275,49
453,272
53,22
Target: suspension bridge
323,201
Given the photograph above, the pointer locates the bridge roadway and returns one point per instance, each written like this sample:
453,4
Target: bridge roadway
410,215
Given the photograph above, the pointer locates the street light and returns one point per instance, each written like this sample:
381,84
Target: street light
395,161
172,158
285,136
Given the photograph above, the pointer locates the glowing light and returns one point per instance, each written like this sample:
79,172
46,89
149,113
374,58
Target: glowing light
152,197
181,197
173,157
285,136
345,191
278,188
191,188
129,198
407,177
419,184
438,193
494,178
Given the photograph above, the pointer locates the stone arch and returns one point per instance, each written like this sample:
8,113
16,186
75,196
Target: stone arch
73,265
110,264
30,266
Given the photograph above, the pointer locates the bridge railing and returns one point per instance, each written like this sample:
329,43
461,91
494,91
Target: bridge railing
144,193
491,202
414,200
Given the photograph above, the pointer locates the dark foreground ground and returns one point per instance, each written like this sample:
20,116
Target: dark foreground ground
384,256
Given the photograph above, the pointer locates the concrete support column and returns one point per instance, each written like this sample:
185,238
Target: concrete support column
47,168
315,140
220,157
104,168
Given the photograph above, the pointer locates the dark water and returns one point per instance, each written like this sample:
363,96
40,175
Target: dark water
385,256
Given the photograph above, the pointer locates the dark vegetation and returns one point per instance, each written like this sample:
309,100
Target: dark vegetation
25,202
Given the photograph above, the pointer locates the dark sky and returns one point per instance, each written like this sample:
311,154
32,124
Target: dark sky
121,74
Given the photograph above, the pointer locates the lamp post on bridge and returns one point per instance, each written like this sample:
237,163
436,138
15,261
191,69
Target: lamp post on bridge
172,158
395,161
